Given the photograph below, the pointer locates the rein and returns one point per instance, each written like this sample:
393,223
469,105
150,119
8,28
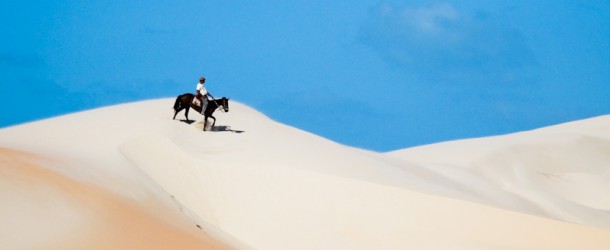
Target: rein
218,105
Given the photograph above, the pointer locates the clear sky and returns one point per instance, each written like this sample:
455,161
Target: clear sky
379,75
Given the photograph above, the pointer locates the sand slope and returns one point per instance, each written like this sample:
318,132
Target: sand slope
563,171
43,209
258,184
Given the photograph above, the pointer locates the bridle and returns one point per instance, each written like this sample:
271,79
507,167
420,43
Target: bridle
224,105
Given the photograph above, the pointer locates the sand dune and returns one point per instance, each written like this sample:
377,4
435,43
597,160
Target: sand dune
562,170
257,184
43,209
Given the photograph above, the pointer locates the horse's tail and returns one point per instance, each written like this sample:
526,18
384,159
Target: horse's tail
177,104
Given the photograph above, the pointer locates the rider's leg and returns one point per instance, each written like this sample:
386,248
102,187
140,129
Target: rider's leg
204,104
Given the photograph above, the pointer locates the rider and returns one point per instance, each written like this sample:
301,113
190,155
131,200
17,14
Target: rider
202,94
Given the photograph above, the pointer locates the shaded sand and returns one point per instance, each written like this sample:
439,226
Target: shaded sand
42,209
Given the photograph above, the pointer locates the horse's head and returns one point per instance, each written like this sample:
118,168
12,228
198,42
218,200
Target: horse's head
224,102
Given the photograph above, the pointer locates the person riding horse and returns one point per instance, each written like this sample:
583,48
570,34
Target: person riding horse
202,94
187,101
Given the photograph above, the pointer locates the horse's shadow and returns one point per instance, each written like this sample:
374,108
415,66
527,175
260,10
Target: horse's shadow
226,129
220,128
189,122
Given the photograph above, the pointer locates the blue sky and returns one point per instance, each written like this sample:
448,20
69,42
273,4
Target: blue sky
380,75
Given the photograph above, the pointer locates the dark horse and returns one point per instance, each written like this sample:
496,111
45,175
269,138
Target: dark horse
185,101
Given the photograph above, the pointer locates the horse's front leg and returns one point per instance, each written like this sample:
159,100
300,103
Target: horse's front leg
213,123
186,113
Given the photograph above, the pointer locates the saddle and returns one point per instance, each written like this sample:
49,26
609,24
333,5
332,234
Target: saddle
196,102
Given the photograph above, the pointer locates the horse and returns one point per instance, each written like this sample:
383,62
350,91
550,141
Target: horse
185,101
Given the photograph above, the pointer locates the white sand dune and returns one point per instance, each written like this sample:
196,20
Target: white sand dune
563,171
129,177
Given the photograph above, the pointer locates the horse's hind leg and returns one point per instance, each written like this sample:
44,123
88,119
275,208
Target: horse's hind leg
186,113
176,112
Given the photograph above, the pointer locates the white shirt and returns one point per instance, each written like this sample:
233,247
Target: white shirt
202,89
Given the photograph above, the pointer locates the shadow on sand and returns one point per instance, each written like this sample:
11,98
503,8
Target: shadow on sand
188,121
226,129
219,128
